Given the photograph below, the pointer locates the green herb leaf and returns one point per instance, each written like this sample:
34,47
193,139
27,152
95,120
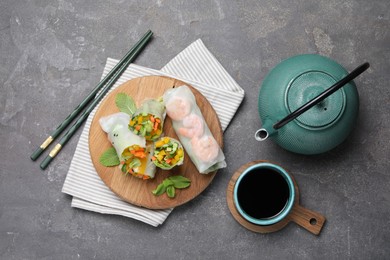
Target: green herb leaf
109,158
167,182
160,189
125,103
182,185
170,184
171,191
180,182
135,163
179,178
123,169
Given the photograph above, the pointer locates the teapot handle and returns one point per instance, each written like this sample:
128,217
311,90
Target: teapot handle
356,72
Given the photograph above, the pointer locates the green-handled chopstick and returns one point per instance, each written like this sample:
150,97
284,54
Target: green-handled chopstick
131,54
89,109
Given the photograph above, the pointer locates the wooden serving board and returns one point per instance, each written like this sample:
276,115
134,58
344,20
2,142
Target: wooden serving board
135,190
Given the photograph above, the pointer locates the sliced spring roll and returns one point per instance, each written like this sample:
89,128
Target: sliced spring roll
192,130
138,161
148,120
168,152
133,152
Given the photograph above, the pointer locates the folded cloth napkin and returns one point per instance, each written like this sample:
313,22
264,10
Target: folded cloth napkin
194,65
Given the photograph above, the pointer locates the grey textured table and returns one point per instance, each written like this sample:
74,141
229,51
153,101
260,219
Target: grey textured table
53,53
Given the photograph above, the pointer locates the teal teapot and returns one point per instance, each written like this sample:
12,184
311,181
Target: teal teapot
308,104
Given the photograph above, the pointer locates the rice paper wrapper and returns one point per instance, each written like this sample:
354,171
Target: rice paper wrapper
192,130
150,169
118,133
149,107
153,107
147,168
116,127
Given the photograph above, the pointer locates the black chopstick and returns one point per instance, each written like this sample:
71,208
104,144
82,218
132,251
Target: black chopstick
89,109
91,96
329,91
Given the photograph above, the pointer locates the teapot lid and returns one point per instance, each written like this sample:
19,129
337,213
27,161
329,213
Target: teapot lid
316,95
307,85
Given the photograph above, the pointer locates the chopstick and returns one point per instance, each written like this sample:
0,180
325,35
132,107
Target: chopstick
118,70
88,99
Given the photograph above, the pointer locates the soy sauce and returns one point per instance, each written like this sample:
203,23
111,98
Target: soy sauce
263,193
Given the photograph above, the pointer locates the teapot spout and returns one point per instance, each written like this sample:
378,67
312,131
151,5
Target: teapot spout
261,134
264,133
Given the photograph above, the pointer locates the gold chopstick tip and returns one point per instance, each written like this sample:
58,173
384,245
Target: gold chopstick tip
55,150
46,142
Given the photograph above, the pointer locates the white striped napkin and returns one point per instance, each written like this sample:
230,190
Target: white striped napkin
194,65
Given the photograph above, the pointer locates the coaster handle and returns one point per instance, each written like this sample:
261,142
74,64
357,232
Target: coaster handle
308,219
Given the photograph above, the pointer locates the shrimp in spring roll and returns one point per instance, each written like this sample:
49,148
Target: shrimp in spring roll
192,130
148,120
133,152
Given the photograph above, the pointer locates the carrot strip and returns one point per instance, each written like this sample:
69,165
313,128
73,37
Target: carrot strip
140,149
140,154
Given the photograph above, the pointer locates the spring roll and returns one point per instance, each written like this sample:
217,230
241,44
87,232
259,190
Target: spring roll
168,152
133,152
148,120
192,130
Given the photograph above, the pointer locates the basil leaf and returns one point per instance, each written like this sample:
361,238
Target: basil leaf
179,178
109,158
180,182
161,188
170,184
125,103
171,191
167,182
181,185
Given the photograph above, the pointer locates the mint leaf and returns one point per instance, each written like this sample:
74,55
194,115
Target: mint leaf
135,163
109,158
125,103
159,190
171,191
180,182
167,182
123,169
179,178
170,184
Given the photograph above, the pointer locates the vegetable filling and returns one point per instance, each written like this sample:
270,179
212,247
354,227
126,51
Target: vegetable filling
168,153
146,125
135,161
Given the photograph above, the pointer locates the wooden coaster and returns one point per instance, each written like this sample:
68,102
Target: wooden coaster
310,220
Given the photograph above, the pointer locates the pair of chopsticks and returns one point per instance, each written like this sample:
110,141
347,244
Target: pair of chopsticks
103,86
